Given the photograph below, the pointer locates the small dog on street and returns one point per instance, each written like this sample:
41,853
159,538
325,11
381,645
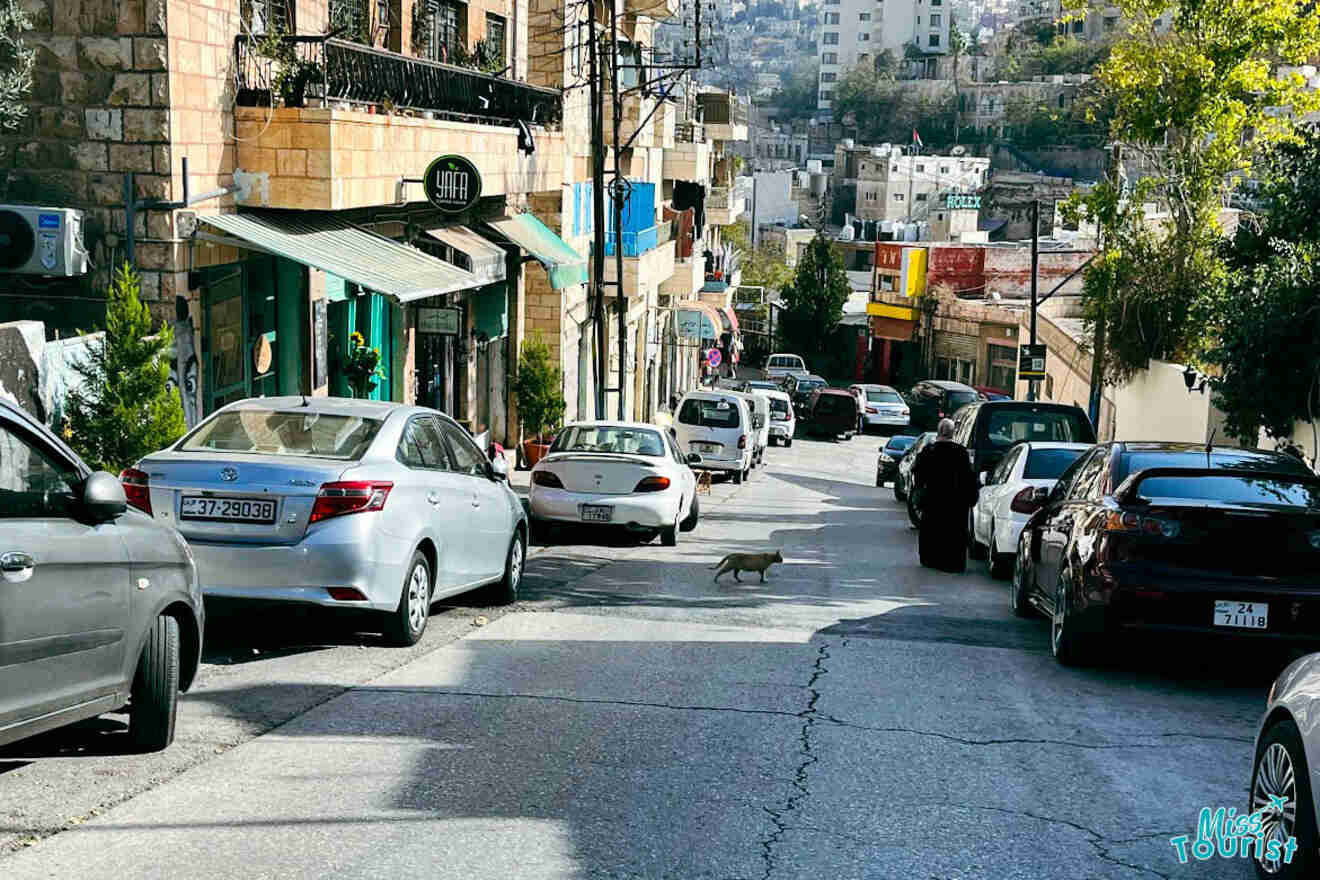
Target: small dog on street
736,562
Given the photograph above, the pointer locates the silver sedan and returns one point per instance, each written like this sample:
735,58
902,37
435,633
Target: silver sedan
1283,777
351,504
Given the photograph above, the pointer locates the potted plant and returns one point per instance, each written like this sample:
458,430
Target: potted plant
537,388
362,367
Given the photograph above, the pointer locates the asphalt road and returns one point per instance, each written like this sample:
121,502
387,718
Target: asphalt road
854,716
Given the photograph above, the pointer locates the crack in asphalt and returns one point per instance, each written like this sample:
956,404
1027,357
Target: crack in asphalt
810,718
967,741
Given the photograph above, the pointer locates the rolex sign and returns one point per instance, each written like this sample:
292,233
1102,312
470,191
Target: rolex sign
452,184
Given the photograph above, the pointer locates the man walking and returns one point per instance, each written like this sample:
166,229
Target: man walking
946,489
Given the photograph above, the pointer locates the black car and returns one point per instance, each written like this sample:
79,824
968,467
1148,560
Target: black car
1176,538
989,428
935,399
800,389
891,456
903,482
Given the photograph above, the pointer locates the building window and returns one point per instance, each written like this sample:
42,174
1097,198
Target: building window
921,197
864,16
350,18
898,197
831,18
827,95
495,30
918,19
1079,26
864,37
921,168
934,39
830,38
935,20
829,58
268,16
944,169
828,77
438,35
1111,22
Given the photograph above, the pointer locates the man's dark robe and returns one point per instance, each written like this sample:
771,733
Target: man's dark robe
946,490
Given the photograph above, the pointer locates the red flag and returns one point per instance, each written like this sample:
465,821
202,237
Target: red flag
916,138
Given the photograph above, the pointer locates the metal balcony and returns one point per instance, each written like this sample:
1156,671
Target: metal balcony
331,70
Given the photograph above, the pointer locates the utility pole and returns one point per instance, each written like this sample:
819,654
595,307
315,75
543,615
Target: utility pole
620,192
1035,262
601,361
1098,349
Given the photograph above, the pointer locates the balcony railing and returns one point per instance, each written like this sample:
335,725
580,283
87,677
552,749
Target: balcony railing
635,243
330,70
722,110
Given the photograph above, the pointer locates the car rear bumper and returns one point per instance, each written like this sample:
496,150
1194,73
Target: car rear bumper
333,554
781,429
1007,531
655,511
880,421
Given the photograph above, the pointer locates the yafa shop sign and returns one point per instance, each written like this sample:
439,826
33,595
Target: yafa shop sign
452,184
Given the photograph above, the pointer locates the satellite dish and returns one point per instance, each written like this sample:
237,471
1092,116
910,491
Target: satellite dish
958,151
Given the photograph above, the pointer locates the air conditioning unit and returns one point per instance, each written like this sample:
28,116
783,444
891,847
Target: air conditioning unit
41,241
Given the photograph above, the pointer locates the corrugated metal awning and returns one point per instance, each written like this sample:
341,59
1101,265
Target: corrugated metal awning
324,241
565,266
485,257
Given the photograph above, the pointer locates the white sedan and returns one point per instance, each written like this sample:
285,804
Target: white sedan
616,473
1009,497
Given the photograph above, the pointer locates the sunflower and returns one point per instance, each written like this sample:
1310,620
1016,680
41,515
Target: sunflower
358,339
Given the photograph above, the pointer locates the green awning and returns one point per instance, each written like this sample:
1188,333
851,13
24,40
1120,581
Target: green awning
323,241
565,266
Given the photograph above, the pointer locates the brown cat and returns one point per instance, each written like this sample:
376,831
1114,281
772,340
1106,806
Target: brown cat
736,562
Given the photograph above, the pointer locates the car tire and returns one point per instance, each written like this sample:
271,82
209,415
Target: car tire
914,515
505,590
1019,591
1282,745
1000,564
737,478
540,530
975,549
879,481
899,494
694,513
405,625
154,699
1069,647
669,534
788,442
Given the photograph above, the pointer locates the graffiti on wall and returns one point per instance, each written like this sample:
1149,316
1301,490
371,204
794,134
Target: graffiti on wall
183,364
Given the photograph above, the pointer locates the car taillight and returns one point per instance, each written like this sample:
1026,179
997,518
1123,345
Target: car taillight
742,441
1135,524
779,417
136,489
341,499
653,484
1024,501
870,410
903,413
546,479
939,414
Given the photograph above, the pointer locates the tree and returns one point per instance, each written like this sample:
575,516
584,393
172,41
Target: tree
16,63
762,266
125,407
798,96
1195,104
1268,348
812,305
957,48
538,388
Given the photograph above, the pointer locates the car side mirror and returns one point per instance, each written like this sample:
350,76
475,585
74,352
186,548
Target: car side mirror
498,468
1040,496
673,432
984,478
103,497
693,458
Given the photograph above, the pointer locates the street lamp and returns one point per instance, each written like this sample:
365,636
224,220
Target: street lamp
1190,377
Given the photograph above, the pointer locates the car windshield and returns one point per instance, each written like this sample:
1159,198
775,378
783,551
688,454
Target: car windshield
762,386
1049,464
1006,425
959,399
274,432
779,405
900,443
709,413
834,403
609,438
810,384
883,397
1232,489
1139,461
792,363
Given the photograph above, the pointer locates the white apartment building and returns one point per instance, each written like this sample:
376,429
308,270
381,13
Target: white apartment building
893,186
900,23
843,39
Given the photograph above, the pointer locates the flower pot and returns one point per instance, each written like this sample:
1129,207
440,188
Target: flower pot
535,450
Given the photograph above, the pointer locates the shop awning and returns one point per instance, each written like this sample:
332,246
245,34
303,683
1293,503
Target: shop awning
486,258
565,266
324,241
698,320
733,319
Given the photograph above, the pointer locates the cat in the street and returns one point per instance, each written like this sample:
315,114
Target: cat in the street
736,562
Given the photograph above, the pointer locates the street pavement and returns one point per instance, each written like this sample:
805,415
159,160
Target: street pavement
854,716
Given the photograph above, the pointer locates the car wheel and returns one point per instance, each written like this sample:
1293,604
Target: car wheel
788,442
1019,596
1000,564
404,625
505,591
669,534
899,494
737,478
975,549
694,512
914,514
1280,772
879,481
1068,646
540,530
154,699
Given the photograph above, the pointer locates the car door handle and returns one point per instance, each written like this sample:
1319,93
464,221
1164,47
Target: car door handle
14,562
476,500
433,498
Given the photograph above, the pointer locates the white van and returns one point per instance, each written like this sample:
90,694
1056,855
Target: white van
779,366
783,422
717,425
759,404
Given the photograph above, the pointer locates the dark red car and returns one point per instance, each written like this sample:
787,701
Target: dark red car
1173,537
832,412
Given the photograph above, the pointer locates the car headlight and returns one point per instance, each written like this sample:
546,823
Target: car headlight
885,459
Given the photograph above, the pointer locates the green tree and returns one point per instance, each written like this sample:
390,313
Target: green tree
538,388
957,49
800,92
16,63
1195,105
812,305
763,266
125,407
